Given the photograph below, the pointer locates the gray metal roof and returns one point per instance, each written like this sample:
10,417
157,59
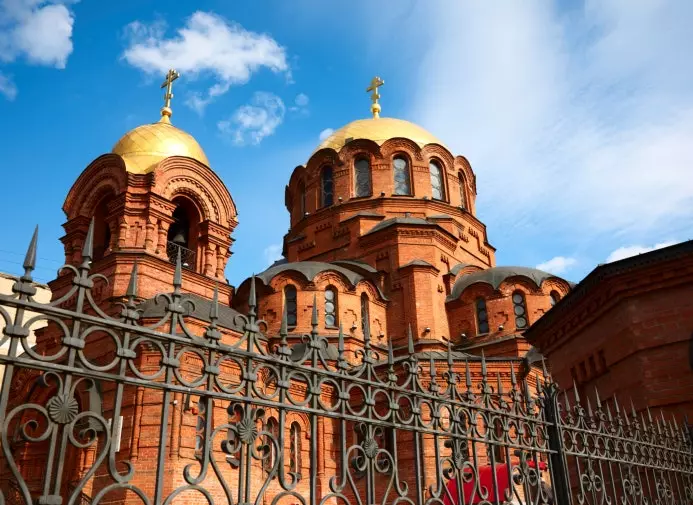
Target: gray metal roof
309,270
399,220
362,265
455,270
495,276
202,306
417,262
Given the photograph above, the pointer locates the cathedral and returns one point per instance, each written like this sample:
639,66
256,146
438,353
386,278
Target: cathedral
385,249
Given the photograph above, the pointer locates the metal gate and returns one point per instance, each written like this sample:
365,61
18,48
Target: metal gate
118,410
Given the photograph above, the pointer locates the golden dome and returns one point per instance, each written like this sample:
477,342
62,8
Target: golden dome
145,146
378,130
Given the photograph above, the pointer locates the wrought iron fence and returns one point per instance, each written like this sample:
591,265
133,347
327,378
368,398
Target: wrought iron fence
117,409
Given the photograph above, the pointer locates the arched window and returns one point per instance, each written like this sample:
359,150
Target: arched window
183,232
290,301
400,167
437,183
102,232
295,448
362,178
520,309
554,297
365,318
331,307
481,316
302,199
326,187
463,190
271,439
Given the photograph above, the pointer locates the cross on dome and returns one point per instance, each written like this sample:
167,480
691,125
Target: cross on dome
166,111
375,96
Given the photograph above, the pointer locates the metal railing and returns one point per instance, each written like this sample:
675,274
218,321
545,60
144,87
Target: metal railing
187,256
367,427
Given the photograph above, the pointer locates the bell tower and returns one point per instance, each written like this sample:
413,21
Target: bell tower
153,197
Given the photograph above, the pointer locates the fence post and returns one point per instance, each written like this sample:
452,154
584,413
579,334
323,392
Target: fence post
559,467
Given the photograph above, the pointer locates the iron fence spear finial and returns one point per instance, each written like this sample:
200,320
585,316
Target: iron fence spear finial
178,274
30,258
88,247
131,292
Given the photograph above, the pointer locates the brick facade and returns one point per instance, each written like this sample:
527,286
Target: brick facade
626,329
395,263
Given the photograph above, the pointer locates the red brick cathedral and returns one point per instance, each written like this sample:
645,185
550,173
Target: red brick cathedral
384,238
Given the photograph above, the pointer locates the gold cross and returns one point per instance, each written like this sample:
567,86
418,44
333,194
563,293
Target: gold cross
375,96
171,76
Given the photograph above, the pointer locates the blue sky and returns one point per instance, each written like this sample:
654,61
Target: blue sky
577,116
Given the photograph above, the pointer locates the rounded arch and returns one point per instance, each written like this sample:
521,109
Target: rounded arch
176,175
366,286
461,164
520,282
360,147
106,173
445,157
333,278
408,146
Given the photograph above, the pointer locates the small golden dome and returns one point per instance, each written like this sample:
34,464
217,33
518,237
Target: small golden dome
378,130
145,146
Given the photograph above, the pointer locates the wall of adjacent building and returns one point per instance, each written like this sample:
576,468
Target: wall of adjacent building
43,295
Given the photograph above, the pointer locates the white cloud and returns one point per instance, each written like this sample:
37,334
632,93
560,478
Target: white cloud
7,87
37,31
588,111
557,265
326,133
634,250
207,45
272,253
253,122
300,104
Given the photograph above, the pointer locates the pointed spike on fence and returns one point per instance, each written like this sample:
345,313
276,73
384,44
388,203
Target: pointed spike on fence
390,353
132,285
314,315
449,355
543,368
410,340
676,423
649,414
499,383
284,326
88,247
252,297
513,379
483,365
589,407
567,401
618,410
598,401
576,394
214,308
432,367
178,273
30,257
467,374
340,342
537,383
632,407
608,413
